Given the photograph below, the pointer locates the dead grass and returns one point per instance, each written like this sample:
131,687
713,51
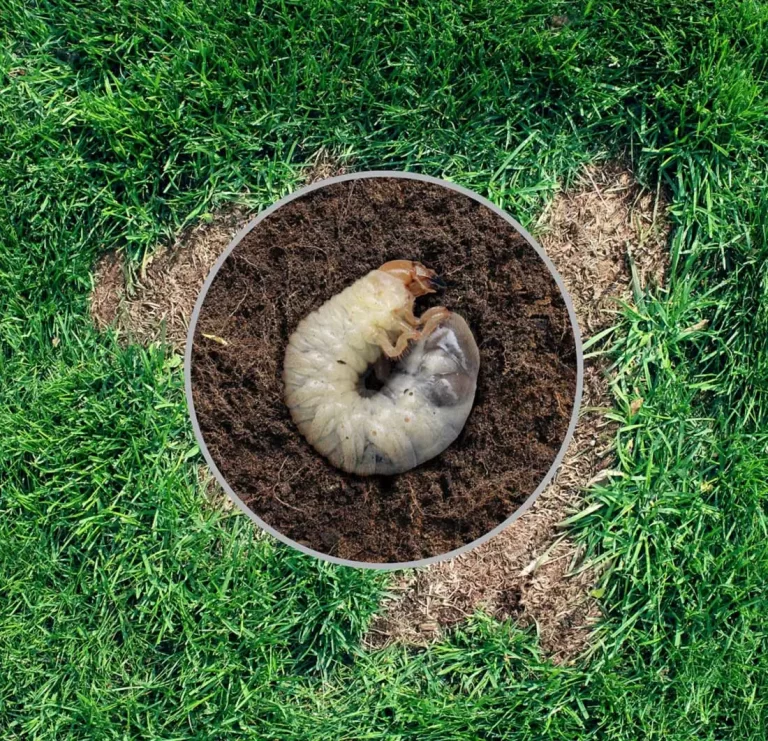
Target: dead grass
157,304
532,572
325,164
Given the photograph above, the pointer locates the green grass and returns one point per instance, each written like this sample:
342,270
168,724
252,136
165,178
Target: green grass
132,609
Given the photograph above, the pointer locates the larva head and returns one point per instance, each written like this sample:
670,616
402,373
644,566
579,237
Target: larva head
417,278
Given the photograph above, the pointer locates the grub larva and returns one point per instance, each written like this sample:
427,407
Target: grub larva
426,368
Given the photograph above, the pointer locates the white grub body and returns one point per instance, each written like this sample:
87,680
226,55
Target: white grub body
426,397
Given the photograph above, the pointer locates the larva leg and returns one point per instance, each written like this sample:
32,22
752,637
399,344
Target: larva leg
407,321
404,324
396,350
407,316
431,318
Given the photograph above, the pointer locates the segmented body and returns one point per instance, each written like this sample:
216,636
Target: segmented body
426,397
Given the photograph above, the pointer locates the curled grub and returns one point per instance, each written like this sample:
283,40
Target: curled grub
531,572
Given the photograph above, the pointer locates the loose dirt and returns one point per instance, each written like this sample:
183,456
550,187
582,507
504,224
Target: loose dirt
309,250
531,572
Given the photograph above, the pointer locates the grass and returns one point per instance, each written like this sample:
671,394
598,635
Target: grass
130,607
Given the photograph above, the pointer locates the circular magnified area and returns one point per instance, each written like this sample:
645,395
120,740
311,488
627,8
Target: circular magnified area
383,369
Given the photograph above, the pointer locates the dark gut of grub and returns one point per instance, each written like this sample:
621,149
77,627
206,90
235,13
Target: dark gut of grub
309,250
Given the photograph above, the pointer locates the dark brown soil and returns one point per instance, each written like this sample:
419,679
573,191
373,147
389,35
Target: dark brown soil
302,255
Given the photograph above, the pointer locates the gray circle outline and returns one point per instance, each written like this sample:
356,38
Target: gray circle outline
188,370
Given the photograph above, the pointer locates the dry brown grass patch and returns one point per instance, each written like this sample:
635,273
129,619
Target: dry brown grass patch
325,164
158,303
532,572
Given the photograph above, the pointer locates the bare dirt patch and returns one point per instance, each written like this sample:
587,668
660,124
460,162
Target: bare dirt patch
532,572
158,302
588,232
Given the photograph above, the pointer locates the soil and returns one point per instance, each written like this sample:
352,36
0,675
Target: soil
298,258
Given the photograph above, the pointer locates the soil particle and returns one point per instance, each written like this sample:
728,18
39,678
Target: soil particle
309,250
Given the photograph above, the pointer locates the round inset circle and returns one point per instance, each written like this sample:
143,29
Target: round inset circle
297,255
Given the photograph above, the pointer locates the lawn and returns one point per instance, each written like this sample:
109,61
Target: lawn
130,607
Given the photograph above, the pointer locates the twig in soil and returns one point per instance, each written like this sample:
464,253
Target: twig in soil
415,506
215,338
597,190
290,506
346,208
277,481
460,269
235,310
